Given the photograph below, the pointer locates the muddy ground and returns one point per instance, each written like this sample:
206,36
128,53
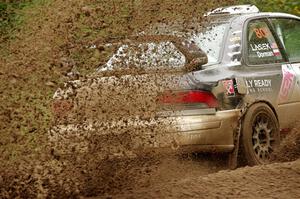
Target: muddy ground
201,175
270,181
51,39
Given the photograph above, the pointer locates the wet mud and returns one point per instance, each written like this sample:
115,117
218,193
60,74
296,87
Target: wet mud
39,161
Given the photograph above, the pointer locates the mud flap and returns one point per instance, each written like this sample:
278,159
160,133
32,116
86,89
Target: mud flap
233,156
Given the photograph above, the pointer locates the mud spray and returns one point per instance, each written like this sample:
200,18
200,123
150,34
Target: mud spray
37,160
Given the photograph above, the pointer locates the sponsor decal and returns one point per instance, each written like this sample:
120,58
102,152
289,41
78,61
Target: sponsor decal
259,85
287,84
235,39
233,53
235,49
229,87
237,45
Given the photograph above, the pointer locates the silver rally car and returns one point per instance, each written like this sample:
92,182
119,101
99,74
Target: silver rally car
244,90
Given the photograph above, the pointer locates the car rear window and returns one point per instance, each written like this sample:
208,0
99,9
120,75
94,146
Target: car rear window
210,39
146,55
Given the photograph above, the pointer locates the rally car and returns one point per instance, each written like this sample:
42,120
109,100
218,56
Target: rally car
244,92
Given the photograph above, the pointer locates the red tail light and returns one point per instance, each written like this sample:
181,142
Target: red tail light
189,97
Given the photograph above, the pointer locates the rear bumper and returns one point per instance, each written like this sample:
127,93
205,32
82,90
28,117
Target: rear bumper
212,132
207,132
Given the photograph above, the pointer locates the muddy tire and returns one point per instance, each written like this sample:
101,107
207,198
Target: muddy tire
260,134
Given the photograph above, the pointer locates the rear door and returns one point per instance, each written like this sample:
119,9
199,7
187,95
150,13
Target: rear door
264,59
288,32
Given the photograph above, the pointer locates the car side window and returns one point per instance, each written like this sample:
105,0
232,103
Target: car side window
288,30
262,46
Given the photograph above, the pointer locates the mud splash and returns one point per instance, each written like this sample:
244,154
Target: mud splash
52,43
289,149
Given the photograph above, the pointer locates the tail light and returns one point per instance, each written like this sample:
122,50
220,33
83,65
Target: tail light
191,97
61,108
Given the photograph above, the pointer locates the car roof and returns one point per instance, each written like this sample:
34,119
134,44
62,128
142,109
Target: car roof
242,18
271,14
244,12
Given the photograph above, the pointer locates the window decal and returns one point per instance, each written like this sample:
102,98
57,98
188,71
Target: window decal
261,32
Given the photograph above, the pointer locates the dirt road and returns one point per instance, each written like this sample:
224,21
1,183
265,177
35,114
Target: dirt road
207,179
205,176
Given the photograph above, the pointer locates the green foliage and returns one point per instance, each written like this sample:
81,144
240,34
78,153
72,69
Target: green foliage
288,6
8,14
11,15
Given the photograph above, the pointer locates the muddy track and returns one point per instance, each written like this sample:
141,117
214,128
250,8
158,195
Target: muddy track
208,176
279,180
159,170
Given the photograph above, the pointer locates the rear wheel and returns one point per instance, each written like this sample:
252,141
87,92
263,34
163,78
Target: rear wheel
260,134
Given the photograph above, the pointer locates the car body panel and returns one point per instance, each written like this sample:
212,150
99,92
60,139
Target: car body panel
234,82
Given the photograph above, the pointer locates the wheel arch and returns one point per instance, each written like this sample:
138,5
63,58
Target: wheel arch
246,107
